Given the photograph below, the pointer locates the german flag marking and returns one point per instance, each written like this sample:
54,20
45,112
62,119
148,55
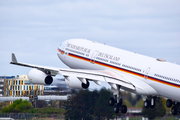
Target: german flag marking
61,51
124,70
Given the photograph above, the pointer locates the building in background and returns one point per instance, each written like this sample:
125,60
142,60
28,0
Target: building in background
1,86
21,86
2,83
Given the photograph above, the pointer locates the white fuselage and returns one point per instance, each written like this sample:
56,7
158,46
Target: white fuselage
162,76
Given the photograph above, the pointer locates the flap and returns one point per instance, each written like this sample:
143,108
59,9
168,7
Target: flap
98,75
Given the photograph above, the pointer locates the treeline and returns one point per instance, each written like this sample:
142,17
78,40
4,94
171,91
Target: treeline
88,105
94,104
83,104
24,106
18,106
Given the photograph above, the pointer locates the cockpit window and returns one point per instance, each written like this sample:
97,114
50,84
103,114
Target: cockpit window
63,45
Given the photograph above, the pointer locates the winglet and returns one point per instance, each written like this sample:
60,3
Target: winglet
14,60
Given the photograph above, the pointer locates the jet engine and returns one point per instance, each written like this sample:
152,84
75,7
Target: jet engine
74,82
40,77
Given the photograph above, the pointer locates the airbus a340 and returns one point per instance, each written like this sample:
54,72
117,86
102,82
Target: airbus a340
92,61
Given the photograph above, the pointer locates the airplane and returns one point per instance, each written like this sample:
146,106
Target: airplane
92,61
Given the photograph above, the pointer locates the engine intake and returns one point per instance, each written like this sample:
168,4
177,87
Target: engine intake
39,77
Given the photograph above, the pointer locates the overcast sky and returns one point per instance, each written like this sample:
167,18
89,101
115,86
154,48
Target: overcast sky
33,29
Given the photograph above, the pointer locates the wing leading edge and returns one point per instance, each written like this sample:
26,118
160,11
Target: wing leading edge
97,76
92,75
54,71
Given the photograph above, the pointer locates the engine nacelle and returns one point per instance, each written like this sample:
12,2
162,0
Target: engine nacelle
39,77
74,82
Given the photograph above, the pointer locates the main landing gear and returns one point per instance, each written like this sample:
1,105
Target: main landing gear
175,108
150,102
117,101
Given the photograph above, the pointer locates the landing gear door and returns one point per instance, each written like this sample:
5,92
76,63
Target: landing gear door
146,73
93,57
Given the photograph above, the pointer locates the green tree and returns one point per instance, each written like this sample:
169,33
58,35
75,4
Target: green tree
139,104
102,108
131,99
41,104
127,103
17,106
89,105
158,111
80,106
1,105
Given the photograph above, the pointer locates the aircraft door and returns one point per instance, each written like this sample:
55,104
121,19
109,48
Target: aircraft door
146,73
93,57
64,45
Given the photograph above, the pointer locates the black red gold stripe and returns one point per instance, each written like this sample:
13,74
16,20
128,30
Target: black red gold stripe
61,51
163,82
124,70
79,57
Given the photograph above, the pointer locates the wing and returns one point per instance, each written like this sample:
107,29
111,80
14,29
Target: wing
112,77
99,75
54,71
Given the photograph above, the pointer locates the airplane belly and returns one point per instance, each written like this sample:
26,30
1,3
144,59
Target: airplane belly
167,91
141,87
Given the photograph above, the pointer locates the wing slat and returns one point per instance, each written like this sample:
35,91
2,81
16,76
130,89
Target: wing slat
97,76
93,75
